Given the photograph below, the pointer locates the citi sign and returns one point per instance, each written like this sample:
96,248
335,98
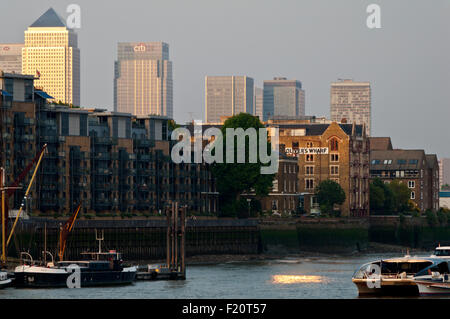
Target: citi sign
140,48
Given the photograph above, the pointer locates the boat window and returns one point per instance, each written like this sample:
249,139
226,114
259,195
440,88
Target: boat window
443,268
391,268
442,252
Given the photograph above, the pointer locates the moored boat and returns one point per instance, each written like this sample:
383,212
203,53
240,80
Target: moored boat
394,276
106,269
435,279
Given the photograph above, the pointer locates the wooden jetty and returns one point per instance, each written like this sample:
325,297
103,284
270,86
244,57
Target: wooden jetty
175,267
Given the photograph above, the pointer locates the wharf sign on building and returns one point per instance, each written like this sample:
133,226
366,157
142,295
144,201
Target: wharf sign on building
306,150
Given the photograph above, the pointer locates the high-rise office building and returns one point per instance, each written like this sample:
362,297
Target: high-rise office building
444,172
11,57
51,54
283,97
143,83
258,103
227,96
351,101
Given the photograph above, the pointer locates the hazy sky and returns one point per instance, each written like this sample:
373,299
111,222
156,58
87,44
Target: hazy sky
314,41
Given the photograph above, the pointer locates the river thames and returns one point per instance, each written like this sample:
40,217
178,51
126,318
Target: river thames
289,277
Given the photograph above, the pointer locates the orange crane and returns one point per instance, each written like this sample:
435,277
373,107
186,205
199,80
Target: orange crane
64,232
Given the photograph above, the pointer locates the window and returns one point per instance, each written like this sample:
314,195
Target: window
334,170
334,158
334,144
309,158
413,161
413,195
411,184
401,161
309,170
309,144
309,183
375,162
387,162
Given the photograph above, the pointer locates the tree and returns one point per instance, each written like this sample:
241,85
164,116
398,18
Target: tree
402,195
388,197
173,125
328,194
377,198
232,179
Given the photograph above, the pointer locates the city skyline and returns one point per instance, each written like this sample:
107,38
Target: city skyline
380,57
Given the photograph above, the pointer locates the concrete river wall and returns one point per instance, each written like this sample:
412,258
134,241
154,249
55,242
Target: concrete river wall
146,239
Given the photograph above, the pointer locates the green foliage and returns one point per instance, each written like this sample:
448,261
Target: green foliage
381,196
431,218
173,125
402,219
234,178
401,194
377,198
442,216
328,194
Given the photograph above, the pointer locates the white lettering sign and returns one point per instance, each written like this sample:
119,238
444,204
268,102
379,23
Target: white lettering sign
306,150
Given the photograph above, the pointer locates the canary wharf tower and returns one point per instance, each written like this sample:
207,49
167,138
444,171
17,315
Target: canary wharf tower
143,79
51,54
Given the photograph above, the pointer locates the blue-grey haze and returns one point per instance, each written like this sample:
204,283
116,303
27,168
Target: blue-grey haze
316,42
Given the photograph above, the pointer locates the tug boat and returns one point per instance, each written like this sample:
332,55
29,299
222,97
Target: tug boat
397,276
94,269
105,269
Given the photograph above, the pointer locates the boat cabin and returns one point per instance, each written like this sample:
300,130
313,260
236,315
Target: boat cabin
443,251
439,266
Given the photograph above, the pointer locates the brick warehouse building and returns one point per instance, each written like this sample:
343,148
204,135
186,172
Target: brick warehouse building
339,152
111,162
419,171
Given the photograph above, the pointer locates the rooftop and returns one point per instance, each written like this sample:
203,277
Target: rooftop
49,19
380,143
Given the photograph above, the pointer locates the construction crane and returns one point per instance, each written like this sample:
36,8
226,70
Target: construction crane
8,191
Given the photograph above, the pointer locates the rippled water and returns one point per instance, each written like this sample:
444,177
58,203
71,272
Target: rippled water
290,277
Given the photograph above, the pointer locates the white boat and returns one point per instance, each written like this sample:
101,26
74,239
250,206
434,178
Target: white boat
397,276
435,279
394,276
4,280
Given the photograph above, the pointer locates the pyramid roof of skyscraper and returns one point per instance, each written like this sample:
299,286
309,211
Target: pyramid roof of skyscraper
49,19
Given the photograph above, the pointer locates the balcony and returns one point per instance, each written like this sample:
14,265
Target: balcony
144,157
144,143
102,171
104,140
102,156
7,121
79,171
101,186
48,139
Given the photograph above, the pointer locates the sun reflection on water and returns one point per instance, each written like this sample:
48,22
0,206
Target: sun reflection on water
295,279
